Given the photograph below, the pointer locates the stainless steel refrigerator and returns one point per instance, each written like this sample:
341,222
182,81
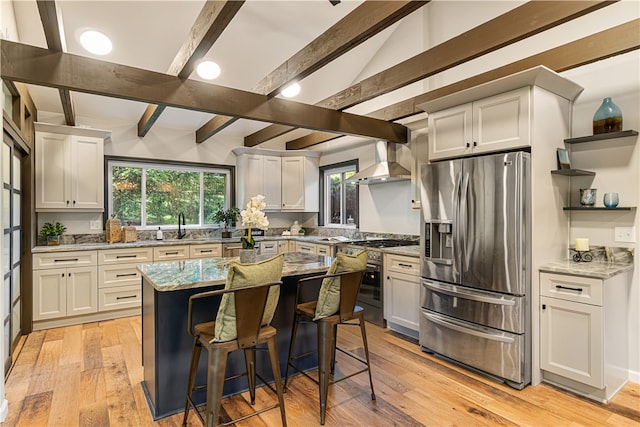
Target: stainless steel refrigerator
476,264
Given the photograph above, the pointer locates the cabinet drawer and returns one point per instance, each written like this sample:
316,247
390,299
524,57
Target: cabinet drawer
170,253
64,259
269,248
118,275
118,256
572,288
308,248
119,297
324,250
402,264
205,251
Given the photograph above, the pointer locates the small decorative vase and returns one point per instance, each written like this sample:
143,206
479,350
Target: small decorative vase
610,200
53,240
226,234
608,118
588,196
248,256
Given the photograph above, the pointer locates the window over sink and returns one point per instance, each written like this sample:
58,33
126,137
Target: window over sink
151,194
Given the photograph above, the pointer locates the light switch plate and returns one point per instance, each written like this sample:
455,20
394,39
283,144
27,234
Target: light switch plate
625,234
95,225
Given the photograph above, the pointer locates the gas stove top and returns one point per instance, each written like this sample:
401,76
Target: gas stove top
382,243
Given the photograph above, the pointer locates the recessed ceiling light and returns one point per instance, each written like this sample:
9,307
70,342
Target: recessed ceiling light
95,42
208,70
291,90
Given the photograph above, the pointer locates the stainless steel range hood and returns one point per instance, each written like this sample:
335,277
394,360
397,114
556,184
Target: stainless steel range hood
385,169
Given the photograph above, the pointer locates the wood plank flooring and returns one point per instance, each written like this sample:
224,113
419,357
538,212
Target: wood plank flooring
90,375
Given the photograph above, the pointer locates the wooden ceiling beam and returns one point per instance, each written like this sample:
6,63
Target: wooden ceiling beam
54,34
358,26
605,44
213,19
34,65
524,21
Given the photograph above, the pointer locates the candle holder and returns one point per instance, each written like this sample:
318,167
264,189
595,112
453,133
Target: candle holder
582,256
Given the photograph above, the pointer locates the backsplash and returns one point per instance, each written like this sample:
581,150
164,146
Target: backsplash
608,254
216,233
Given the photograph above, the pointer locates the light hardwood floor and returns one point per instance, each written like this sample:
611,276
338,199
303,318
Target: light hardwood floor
90,375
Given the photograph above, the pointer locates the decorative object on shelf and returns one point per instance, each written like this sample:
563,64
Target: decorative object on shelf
253,216
52,232
588,196
582,251
129,233
608,118
226,218
563,159
610,200
113,229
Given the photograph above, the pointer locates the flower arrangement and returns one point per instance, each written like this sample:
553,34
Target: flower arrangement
253,216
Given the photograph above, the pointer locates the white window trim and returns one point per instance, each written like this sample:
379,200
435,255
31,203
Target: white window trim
327,196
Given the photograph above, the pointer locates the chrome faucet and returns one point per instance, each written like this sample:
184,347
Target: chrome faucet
181,233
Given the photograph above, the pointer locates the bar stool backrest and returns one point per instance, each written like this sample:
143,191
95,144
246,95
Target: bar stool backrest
250,304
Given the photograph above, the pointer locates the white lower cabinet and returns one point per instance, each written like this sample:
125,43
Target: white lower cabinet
269,247
402,294
170,253
283,246
67,291
583,333
326,250
205,251
307,248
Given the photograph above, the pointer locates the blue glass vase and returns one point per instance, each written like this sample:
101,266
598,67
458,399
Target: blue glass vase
608,118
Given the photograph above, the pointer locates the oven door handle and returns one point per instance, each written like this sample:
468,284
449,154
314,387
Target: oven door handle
468,294
469,330
373,267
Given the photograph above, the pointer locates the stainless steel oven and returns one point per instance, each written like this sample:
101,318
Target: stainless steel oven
371,295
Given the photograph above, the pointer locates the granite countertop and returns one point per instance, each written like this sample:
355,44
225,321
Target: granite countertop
196,273
596,269
413,250
175,242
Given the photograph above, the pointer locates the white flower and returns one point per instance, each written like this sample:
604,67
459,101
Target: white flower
253,216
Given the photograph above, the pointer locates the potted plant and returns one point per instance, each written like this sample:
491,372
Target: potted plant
226,218
52,232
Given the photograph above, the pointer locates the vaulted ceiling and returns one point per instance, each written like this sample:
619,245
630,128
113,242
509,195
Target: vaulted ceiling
261,46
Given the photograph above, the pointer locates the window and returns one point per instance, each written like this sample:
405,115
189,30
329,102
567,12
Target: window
339,199
154,194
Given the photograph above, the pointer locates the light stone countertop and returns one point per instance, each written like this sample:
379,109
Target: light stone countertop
595,269
174,242
413,250
196,273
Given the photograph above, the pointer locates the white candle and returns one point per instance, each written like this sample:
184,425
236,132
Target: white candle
582,245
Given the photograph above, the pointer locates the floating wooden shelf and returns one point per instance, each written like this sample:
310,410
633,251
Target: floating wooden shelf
601,136
599,208
573,172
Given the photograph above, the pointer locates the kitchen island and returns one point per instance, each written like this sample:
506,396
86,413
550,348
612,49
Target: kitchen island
166,344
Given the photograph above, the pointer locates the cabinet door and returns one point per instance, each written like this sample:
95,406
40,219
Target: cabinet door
324,250
450,132
110,276
82,290
293,183
502,122
269,248
51,171
49,294
402,306
251,183
571,338
87,173
283,246
272,182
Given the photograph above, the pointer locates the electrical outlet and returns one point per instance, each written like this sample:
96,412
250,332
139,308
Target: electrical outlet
95,225
625,234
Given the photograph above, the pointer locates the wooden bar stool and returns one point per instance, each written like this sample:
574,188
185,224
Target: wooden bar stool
348,314
242,323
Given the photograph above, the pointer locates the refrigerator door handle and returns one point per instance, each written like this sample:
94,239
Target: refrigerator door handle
456,226
467,294
463,221
467,328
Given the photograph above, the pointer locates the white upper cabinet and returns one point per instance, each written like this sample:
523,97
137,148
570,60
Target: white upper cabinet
494,116
495,123
69,168
288,180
